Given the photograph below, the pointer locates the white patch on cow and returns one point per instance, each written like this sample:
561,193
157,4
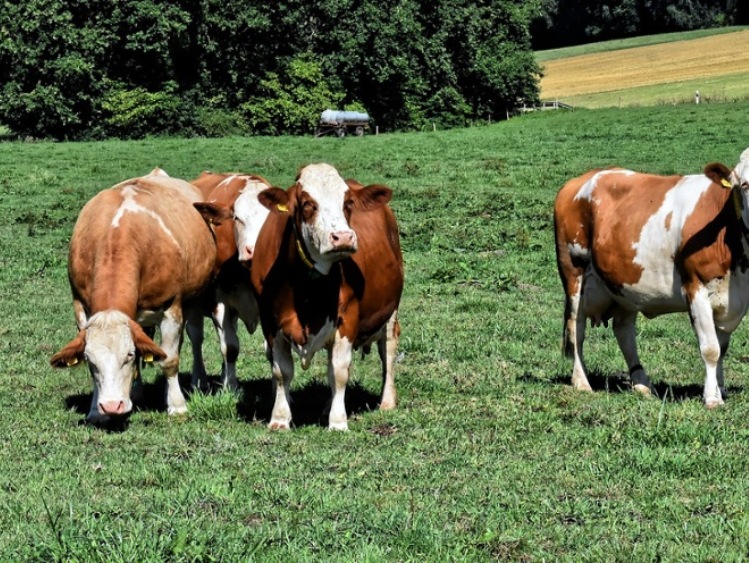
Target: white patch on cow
110,354
578,251
323,183
315,342
587,189
249,217
130,205
659,238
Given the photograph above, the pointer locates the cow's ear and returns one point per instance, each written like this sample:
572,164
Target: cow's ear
147,348
373,196
72,353
719,173
214,214
353,184
275,199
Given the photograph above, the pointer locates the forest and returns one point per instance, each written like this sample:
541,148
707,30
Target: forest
93,69
561,23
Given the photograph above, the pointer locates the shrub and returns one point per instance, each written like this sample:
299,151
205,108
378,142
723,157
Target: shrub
135,113
220,122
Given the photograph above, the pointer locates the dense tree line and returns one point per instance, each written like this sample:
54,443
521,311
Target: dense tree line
559,23
75,69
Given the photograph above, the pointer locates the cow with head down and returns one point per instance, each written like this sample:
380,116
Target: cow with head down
327,273
232,207
140,255
630,243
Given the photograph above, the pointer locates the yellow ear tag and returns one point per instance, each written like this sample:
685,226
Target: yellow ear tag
725,183
281,207
72,362
148,357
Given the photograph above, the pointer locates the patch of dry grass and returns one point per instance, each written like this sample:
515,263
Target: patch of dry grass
688,61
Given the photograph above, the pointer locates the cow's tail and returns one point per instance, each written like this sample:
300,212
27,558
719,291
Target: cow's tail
568,347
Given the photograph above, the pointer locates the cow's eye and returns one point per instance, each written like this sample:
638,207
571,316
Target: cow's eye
348,204
238,220
130,356
309,209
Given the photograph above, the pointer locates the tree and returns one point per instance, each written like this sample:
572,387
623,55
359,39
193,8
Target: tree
76,68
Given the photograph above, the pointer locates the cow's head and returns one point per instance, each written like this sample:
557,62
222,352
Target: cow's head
249,216
321,204
111,344
737,180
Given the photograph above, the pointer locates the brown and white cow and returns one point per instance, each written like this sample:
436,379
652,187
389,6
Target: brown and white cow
231,205
139,254
328,273
630,243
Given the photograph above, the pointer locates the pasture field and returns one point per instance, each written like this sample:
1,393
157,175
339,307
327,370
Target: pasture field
642,73
490,455
631,42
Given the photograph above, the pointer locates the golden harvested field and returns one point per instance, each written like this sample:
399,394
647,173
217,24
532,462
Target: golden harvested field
718,66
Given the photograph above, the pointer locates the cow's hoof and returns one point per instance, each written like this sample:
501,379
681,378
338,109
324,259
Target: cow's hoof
643,390
176,411
714,403
342,426
582,386
278,425
387,405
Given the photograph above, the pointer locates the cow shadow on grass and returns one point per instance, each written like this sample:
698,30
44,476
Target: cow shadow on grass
310,404
619,382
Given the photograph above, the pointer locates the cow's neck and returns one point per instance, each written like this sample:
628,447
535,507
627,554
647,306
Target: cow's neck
315,269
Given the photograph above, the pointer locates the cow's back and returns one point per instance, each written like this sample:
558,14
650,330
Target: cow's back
143,241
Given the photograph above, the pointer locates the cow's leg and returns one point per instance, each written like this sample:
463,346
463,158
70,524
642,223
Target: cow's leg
282,367
624,329
171,340
574,331
387,346
194,327
225,321
80,314
701,313
725,339
339,363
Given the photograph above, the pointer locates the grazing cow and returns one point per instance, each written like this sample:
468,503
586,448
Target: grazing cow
328,273
231,205
628,242
140,253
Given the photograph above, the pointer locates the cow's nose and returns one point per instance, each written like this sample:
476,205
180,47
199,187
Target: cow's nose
247,253
112,407
343,239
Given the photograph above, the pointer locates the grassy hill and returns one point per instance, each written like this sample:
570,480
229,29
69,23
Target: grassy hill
490,455
652,70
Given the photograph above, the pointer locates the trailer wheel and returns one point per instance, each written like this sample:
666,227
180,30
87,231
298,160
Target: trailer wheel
359,131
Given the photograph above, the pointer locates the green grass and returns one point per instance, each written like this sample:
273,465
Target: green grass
642,41
490,454
730,87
